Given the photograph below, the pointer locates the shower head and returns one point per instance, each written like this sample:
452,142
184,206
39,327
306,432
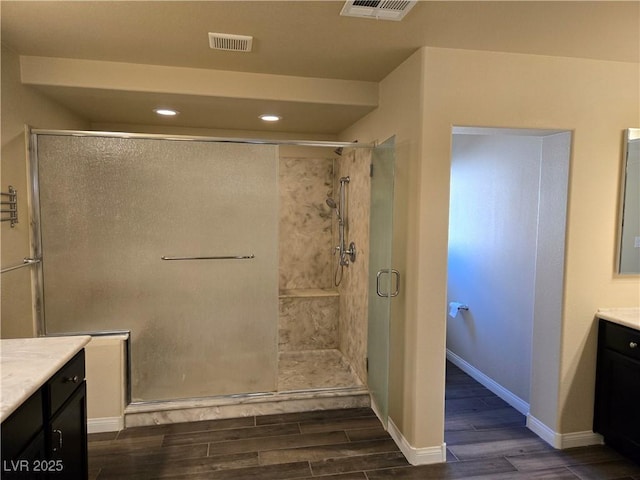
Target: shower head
332,204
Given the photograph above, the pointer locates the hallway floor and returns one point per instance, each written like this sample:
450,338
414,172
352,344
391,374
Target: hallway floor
486,439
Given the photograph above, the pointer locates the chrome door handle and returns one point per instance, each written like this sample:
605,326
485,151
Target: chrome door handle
397,290
378,275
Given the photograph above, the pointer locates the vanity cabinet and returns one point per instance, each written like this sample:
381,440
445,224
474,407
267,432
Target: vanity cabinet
23,436
617,402
46,437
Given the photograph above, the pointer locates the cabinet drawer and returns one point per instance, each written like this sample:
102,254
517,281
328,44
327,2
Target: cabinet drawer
64,383
622,339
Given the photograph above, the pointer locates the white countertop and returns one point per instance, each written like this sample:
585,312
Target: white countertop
27,363
627,316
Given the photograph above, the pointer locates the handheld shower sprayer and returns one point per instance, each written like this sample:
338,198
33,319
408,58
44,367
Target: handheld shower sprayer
333,205
346,254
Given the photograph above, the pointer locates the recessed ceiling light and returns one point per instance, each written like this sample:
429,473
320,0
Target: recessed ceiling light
167,112
268,117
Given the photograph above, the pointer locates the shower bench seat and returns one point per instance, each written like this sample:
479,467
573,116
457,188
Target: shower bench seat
308,292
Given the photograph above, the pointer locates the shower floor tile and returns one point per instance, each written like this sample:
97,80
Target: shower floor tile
315,369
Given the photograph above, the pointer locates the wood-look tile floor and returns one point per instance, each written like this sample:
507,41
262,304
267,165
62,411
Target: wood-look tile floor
486,439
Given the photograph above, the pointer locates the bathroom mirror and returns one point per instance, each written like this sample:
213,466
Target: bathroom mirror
629,225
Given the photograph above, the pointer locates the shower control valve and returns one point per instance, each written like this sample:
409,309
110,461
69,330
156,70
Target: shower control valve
348,255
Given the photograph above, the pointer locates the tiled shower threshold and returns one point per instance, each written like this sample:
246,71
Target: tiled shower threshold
312,380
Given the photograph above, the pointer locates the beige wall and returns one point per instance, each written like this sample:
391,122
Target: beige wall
400,114
21,106
594,99
106,376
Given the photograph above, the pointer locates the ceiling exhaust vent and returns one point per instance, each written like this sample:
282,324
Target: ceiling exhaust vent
378,9
229,42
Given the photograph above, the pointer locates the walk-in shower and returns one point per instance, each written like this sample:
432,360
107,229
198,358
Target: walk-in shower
175,240
345,255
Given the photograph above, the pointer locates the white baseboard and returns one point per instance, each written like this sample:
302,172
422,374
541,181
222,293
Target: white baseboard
513,400
105,424
545,433
580,439
563,440
417,456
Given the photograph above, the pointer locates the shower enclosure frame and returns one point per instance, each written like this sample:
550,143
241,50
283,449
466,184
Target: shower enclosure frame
36,248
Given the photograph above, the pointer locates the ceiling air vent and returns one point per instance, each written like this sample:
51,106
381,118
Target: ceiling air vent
229,42
378,9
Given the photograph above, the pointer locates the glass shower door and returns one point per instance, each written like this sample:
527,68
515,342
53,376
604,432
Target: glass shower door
383,280
128,226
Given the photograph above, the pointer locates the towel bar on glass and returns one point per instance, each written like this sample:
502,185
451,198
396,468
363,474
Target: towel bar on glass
226,257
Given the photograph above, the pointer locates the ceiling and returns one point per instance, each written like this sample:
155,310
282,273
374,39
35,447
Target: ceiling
295,38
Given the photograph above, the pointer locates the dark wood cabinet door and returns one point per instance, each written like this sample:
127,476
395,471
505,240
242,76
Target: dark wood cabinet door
618,398
27,464
67,438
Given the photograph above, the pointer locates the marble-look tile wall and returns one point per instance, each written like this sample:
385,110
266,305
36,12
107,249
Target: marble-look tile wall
305,223
354,286
308,316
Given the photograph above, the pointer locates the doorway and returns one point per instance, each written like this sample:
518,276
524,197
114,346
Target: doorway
507,222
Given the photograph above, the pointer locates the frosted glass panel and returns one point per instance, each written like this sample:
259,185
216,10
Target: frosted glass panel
381,282
112,207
